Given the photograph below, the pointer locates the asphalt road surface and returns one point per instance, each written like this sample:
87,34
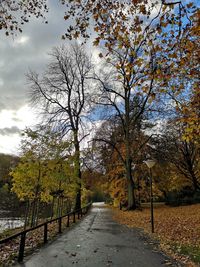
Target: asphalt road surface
98,241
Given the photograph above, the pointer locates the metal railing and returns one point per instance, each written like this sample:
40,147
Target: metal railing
79,212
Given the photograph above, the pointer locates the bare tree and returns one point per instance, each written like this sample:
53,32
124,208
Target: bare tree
62,92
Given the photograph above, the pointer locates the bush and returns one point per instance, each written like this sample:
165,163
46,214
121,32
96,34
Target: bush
186,196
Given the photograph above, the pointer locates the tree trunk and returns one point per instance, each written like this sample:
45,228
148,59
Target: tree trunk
77,171
52,207
78,199
37,212
131,186
27,214
33,215
58,206
36,199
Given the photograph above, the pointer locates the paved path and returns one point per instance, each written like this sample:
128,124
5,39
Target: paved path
98,241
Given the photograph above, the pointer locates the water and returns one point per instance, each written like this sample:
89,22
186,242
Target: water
7,221
10,223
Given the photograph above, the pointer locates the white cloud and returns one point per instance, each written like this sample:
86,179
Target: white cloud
10,144
21,118
22,40
18,54
27,116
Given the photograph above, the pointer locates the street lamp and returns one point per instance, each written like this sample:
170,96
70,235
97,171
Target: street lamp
150,163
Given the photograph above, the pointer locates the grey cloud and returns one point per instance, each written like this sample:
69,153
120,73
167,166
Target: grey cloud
10,131
2,105
16,58
11,102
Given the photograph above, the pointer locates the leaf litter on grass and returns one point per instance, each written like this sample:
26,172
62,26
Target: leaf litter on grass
176,228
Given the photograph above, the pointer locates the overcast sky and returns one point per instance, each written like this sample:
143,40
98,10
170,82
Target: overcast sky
28,50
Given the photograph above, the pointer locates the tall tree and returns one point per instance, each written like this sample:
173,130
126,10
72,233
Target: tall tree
44,172
127,85
115,20
122,133
62,93
7,163
29,174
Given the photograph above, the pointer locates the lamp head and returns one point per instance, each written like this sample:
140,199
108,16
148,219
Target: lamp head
150,163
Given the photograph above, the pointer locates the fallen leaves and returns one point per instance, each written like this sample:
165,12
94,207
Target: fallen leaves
175,228
34,239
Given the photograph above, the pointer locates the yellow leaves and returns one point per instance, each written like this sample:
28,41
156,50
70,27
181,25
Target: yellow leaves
190,117
145,89
76,34
143,9
153,96
138,29
173,55
138,62
124,17
96,16
117,29
96,42
66,17
118,66
129,68
164,24
120,45
40,173
162,90
189,5
133,53
158,72
103,11
159,30
96,29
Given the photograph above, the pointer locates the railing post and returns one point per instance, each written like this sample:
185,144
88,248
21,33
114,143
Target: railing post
22,235
22,247
45,233
78,214
68,220
60,225
74,219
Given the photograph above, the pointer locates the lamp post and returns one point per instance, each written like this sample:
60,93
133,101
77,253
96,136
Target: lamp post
150,163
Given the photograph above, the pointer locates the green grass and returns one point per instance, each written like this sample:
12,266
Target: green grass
155,204
191,251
